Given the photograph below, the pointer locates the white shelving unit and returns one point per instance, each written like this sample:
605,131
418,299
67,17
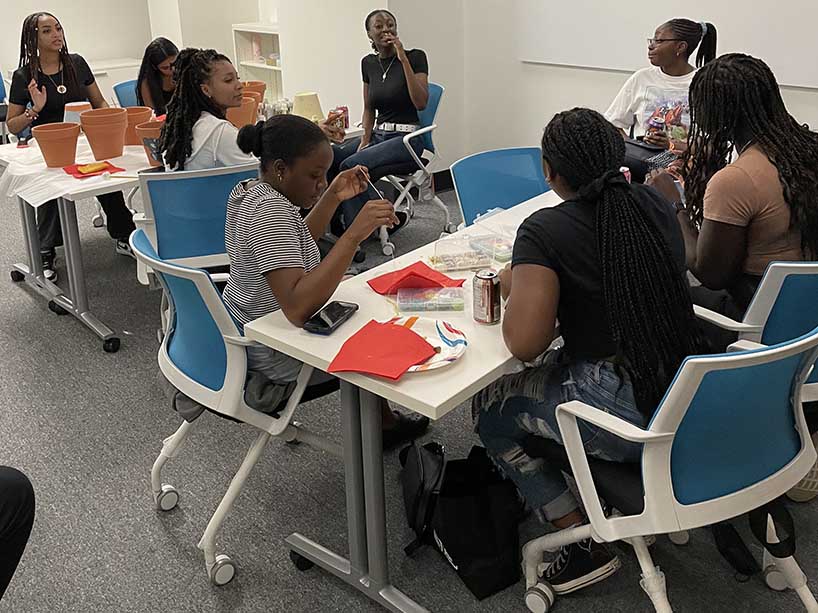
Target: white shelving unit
253,44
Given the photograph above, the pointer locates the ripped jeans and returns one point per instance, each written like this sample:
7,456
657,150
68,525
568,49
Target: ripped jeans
524,403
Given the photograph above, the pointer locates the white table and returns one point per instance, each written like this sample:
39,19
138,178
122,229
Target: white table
27,179
432,393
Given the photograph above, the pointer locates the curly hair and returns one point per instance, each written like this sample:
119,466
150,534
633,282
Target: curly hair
646,295
191,69
29,55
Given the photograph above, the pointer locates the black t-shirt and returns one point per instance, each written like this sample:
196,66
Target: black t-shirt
390,96
563,238
54,108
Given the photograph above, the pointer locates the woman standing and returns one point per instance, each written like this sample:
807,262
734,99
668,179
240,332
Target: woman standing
396,87
48,77
155,84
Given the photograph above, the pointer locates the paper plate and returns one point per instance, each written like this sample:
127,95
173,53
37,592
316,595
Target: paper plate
451,342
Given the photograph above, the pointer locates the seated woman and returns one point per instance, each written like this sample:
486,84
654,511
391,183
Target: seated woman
609,263
760,208
48,77
155,84
396,87
197,135
274,258
661,90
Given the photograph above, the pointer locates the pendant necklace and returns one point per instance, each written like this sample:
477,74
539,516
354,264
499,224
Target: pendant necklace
386,72
61,89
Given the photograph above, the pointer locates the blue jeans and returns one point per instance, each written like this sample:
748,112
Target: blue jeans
524,403
385,149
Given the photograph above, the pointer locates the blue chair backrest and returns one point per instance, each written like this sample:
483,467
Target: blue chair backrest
738,430
2,88
189,212
125,93
194,341
501,178
427,115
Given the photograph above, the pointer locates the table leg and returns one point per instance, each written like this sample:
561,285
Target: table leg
364,550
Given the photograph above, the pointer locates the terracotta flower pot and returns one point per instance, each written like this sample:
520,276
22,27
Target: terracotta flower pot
136,116
103,116
255,86
151,130
57,142
254,95
73,110
107,140
244,114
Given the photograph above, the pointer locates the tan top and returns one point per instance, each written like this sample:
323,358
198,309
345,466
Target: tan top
748,193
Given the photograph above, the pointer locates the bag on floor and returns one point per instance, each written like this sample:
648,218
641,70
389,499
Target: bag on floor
471,515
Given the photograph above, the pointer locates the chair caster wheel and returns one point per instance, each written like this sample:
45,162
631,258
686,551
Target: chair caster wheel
17,276
775,579
98,221
388,249
300,562
56,308
540,598
110,345
451,228
223,570
679,538
168,498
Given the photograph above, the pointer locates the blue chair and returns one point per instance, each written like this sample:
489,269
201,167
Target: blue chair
204,356
728,437
415,174
125,92
501,178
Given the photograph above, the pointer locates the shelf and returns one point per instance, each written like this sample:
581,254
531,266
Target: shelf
260,28
260,65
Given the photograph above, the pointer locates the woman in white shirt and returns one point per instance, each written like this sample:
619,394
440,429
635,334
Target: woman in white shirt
661,90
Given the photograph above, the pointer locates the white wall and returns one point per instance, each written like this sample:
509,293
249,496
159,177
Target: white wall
207,24
436,27
322,44
96,30
165,20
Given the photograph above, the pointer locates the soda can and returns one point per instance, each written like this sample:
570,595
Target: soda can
656,124
626,171
486,297
345,111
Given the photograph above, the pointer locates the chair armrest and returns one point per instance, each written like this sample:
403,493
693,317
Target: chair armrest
407,142
241,341
722,321
141,221
611,423
220,277
744,346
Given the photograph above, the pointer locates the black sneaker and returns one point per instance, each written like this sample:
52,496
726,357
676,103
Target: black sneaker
122,247
49,269
579,565
407,427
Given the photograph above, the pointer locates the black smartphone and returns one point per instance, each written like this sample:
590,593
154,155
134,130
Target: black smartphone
328,319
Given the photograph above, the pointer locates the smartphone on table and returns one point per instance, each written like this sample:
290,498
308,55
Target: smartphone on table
328,319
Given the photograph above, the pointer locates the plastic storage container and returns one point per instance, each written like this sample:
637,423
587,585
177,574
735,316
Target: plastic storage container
436,299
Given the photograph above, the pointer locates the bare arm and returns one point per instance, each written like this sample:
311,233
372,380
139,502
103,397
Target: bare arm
15,118
531,310
346,185
418,84
720,253
147,99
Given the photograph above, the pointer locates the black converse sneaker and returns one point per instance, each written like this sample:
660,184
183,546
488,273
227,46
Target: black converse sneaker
49,270
579,565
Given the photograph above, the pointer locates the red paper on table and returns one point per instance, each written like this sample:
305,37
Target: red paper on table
416,276
382,349
73,170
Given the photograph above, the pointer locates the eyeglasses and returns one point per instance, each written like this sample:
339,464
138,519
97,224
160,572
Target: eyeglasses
655,41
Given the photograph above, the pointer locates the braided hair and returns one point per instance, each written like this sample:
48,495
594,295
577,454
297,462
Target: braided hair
696,34
191,69
735,100
29,51
647,300
372,15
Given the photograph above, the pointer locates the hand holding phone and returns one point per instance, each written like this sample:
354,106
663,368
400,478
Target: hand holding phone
330,318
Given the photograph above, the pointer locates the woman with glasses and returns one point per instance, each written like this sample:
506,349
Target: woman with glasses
654,100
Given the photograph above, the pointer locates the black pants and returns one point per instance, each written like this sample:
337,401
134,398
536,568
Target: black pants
120,221
16,519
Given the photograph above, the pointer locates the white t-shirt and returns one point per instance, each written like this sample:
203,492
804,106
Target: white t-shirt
263,231
650,92
214,144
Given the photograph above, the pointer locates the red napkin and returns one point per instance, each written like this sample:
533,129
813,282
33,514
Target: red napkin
74,172
416,276
382,349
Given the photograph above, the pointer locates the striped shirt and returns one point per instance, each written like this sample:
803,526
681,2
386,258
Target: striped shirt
263,231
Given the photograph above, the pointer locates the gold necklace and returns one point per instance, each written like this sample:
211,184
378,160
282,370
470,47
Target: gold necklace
61,89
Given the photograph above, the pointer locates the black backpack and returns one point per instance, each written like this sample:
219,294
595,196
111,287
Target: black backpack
421,478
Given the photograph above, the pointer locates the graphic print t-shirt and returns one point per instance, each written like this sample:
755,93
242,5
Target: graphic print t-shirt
651,93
